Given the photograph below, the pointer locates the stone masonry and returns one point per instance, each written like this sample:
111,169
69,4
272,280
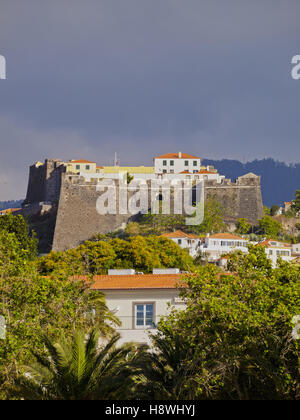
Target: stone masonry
74,200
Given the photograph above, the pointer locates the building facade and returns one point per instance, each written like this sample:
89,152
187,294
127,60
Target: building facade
140,300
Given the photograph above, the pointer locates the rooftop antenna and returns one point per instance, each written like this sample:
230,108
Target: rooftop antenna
116,162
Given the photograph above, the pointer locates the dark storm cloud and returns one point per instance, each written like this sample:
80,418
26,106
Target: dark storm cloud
141,77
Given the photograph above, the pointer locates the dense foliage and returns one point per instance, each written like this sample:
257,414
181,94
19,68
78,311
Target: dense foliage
77,369
96,257
18,226
234,339
269,226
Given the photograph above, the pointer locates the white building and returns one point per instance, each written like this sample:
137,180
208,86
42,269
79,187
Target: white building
276,249
179,166
220,244
81,166
175,163
140,300
185,240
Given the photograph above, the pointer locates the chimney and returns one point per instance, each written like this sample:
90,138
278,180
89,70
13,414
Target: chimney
179,155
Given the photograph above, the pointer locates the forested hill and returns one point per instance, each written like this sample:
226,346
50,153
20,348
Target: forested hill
279,180
12,204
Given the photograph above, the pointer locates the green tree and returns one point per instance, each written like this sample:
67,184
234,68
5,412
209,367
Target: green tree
14,259
269,227
274,209
213,217
34,305
96,257
169,371
296,203
243,226
19,226
159,223
255,263
129,178
76,370
239,327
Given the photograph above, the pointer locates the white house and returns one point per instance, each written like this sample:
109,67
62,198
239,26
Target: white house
185,240
171,166
140,300
276,249
175,163
81,165
219,244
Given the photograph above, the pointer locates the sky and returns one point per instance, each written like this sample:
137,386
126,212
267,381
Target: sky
88,78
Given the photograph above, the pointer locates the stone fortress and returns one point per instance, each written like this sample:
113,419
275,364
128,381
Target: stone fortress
61,196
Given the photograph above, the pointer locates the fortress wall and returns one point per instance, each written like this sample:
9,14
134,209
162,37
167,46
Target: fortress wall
44,181
77,216
54,170
240,199
36,184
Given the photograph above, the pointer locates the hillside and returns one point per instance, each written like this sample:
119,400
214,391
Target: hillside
279,180
11,204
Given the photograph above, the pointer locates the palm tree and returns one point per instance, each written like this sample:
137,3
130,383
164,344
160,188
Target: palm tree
78,370
169,372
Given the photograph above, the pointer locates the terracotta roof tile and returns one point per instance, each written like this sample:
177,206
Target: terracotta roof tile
81,161
136,281
176,156
268,244
179,234
9,210
226,236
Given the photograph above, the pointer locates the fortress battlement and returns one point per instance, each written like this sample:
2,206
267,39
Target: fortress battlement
68,190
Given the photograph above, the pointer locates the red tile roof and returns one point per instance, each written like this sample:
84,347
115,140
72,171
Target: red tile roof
226,236
9,210
179,234
81,161
269,245
136,281
205,171
176,156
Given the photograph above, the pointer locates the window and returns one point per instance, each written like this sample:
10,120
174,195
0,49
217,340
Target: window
164,171
195,163
78,167
164,163
87,167
144,315
172,162
171,171
179,241
186,163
